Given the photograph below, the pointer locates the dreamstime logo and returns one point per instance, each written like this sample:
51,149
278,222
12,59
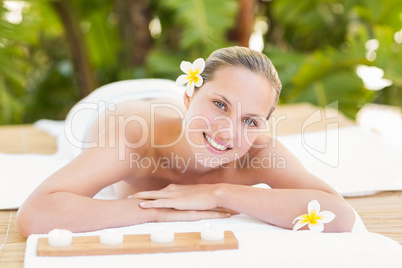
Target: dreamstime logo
324,147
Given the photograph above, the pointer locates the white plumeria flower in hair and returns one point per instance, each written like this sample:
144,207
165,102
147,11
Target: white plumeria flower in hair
192,75
315,219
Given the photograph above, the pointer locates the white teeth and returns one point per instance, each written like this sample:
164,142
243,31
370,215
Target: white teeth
214,144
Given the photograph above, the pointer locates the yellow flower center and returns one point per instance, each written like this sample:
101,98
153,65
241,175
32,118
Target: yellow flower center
193,76
312,218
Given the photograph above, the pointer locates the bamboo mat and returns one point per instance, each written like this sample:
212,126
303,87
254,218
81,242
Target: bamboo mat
381,213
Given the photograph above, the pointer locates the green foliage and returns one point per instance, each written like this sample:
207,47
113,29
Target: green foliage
321,78
316,46
102,39
30,78
202,24
12,70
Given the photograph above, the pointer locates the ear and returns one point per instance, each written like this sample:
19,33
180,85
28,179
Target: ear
186,100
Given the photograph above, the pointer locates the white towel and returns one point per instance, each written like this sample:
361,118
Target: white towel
260,245
354,161
20,174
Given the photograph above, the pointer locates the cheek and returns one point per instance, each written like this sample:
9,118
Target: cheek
200,120
196,124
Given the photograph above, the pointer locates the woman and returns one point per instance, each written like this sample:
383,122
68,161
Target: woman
216,153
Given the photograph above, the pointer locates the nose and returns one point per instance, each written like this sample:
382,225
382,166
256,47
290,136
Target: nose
225,131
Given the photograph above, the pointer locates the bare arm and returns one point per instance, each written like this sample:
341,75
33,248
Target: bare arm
281,206
293,188
64,200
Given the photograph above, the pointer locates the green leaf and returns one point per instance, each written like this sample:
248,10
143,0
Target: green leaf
165,64
204,23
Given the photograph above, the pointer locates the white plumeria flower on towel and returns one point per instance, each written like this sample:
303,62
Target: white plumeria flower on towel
192,75
315,219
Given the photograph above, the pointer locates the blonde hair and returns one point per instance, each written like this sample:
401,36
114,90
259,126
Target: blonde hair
247,58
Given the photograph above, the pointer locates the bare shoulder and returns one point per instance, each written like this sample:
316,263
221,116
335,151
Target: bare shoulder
271,157
280,168
131,122
267,145
148,107
151,122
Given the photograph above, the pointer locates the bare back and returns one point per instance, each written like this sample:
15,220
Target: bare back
154,162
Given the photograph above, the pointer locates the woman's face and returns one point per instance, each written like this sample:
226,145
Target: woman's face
225,116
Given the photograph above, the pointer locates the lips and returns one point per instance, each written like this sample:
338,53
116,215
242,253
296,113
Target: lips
214,144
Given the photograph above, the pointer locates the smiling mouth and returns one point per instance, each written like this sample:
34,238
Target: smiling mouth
214,144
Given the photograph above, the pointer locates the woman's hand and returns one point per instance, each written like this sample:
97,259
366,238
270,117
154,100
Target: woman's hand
183,203
180,197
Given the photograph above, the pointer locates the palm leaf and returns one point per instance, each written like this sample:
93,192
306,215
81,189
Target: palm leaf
204,23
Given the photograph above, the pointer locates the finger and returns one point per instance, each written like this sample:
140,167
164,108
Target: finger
168,203
160,203
202,215
190,215
226,210
176,203
150,195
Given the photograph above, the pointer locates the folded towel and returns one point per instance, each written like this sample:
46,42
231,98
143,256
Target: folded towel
20,174
260,245
354,161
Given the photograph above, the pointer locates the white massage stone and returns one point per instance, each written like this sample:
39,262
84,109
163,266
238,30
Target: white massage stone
162,236
111,238
210,233
60,238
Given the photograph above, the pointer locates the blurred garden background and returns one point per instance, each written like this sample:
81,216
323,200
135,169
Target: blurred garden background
55,52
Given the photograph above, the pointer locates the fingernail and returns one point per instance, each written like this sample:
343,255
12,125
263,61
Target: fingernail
130,196
228,214
143,204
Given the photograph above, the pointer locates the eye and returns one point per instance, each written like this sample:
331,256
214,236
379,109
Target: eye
250,122
220,105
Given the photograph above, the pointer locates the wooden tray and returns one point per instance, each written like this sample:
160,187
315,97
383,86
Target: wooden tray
136,244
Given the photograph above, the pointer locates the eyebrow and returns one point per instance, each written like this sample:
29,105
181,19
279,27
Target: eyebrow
251,115
224,98
262,118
